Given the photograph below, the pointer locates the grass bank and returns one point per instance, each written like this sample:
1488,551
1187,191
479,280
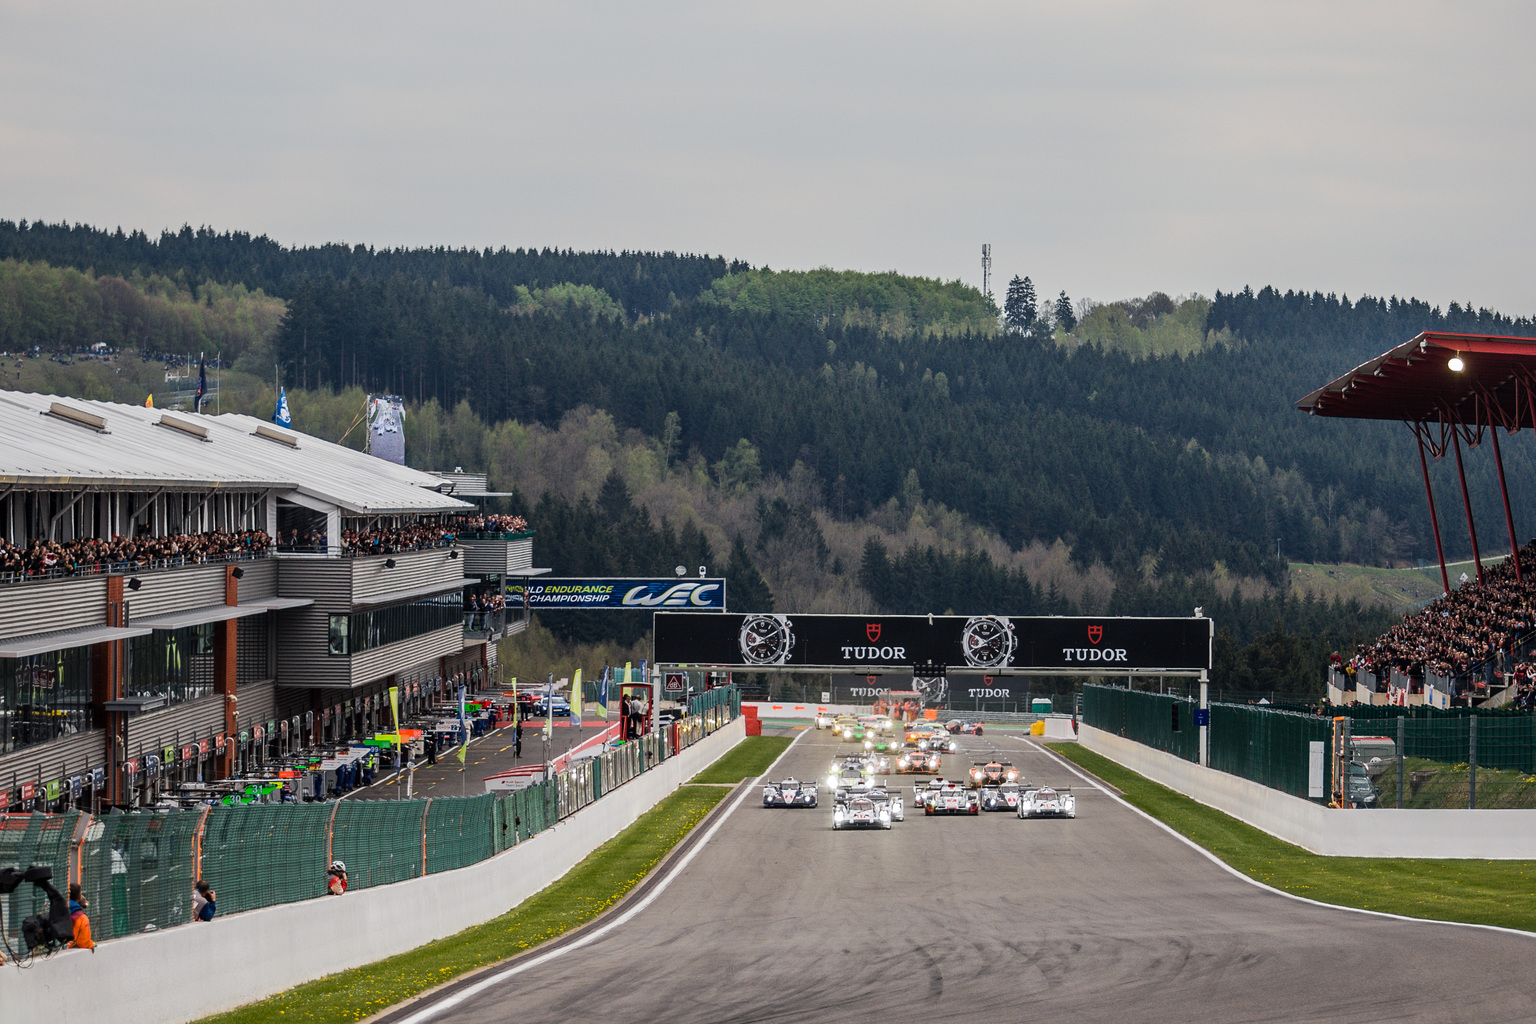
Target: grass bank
580,895
747,760
1498,892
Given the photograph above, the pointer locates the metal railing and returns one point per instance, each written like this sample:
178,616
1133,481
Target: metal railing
137,870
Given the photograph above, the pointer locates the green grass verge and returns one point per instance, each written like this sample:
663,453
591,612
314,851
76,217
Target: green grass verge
580,895
1499,892
747,760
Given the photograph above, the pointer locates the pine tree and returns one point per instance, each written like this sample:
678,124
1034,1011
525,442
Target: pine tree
745,588
1066,319
1019,308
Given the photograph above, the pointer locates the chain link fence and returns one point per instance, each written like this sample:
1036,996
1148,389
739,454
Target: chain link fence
137,870
1417,757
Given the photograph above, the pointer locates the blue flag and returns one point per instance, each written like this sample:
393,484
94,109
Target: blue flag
602,694
202,385
281,417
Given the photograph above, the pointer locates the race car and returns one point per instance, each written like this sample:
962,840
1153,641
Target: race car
954,725
860,812
884,797
823,719
914,760
851,778
789,792
879,742
1000,798
952,798
1046,802
842,722
993,773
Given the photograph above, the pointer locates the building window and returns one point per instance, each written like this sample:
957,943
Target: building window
44,697
362,631
339,634
173,663
251,650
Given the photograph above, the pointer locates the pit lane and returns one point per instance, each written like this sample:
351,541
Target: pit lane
990,918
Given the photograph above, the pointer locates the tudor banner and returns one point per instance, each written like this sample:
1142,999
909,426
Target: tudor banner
932,644
700,595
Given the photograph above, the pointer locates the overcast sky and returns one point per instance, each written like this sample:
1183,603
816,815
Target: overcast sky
1109,149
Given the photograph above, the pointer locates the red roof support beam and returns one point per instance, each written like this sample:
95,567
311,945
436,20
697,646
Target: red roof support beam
1434,520
1509,519
1467,504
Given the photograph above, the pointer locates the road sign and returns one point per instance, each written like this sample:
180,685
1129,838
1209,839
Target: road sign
676,682
1202,716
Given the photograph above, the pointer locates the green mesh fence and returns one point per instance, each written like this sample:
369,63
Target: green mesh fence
378,840
1158,720
1268,747
140,868
27,839
459,832
258,855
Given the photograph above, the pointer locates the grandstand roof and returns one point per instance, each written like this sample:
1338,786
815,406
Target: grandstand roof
54,442
1414,382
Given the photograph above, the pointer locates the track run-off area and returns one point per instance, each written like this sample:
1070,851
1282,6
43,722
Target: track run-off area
773,916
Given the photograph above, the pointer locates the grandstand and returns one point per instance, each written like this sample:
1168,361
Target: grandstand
1472,646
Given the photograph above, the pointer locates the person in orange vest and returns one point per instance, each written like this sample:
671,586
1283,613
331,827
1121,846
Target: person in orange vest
77,905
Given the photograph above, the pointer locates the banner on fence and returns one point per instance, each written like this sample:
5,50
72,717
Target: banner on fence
620,593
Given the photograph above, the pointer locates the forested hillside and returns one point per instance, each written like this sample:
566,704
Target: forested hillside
866,440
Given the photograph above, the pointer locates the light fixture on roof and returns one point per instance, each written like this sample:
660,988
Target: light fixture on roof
237,572
453,553
135,583
1456,364
389,563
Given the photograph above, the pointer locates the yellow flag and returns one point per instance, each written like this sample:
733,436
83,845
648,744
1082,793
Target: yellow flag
462,745
516,711
149,403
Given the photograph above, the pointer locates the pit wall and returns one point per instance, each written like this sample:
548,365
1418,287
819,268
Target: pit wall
1384,832
245,957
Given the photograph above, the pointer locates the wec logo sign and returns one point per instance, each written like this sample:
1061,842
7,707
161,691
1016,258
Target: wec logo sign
679,595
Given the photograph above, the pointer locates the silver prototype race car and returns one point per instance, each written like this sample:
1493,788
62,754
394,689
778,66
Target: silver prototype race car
789,793
860,812
1001,798
885,798
952,798
1046,802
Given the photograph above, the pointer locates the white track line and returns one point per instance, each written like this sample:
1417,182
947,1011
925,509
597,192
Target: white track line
1235,873
450,1001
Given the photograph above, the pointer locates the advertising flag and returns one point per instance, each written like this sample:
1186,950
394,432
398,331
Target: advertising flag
576,696
202,385
149,403
463,730
280,416
549,707
517,711
602,695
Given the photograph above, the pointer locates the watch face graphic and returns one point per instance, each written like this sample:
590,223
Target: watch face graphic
766,640
935,690
987,641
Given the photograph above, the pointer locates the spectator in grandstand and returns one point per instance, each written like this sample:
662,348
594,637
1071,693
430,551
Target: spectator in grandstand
122,554
203,906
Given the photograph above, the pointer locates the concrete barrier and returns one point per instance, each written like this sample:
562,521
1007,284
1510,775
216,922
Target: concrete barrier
194,970
1383,832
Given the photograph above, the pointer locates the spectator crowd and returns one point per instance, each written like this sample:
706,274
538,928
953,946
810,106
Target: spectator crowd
1462,629
419,536
119,554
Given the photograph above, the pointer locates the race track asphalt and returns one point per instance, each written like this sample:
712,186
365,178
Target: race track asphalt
990,918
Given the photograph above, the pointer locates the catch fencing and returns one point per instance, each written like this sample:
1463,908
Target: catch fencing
138,870
1418,757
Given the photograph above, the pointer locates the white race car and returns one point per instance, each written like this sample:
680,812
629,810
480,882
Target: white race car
953,798
1046,802
789,793
1001,798
823,720
860,812
850,778
884,797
